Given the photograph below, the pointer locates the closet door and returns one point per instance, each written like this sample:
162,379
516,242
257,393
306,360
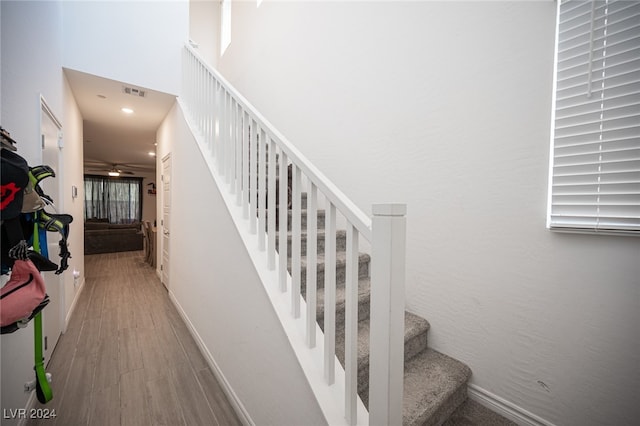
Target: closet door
166,216
53,314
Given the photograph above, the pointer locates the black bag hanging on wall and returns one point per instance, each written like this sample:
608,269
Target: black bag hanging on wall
14,179
19,291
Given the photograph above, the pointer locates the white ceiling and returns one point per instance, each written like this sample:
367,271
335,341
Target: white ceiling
111,136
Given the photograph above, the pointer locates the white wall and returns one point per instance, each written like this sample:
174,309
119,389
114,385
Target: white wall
204,28
31,51
446,106
73,177
31,58
211,279
137,42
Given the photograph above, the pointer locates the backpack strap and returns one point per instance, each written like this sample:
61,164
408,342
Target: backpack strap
43,389
57,223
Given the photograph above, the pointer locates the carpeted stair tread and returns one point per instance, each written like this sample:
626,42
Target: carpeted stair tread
472,413
341,259
303,219
364,296
434,387
341,241
415,338
341,262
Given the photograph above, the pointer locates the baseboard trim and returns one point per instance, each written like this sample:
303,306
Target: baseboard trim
237,405
72,308
505,408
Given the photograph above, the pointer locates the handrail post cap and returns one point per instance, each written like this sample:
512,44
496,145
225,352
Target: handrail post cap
389,209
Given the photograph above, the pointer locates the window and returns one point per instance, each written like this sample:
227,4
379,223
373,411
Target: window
115,199
595,161
225,26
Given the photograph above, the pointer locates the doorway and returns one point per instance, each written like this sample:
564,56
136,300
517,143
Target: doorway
166,219
51,139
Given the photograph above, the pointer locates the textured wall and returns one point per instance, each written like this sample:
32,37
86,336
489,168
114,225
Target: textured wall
446,106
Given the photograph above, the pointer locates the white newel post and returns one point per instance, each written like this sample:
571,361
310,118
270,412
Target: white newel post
387,314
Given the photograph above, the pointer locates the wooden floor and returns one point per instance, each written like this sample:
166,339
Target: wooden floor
127,357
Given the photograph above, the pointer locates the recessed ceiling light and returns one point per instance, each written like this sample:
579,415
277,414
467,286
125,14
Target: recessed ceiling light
127,110
151,153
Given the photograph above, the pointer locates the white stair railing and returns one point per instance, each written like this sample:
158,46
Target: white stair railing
254,159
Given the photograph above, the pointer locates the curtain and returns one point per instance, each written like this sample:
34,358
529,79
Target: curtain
116,199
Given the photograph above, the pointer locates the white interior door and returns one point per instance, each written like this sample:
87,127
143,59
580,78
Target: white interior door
53,314
166,219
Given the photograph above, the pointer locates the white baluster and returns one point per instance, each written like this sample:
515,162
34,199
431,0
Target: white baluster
330,294
271,208
351,326
245,165
231,143
295,242
198,112
194,83
312,263
206,114
282,221
216,124
201,91
238,171
214,117
387,309
215,99
224,132
253,177
262,188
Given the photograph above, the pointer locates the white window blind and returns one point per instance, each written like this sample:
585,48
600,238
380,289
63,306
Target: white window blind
595,177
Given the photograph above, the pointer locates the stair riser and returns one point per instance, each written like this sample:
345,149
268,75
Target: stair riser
412,347
363,272
446,409
341,243
303,220
437,406
303,195
363,312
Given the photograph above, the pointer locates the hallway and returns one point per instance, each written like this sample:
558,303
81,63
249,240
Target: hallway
127,357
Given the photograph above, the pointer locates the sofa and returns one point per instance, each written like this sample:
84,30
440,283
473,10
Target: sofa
100,236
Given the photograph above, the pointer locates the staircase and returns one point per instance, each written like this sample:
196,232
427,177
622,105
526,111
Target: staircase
363,326
434,384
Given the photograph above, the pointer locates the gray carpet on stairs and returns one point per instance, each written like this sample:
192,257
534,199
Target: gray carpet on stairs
435,391
472,413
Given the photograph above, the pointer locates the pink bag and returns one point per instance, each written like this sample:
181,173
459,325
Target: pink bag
22,294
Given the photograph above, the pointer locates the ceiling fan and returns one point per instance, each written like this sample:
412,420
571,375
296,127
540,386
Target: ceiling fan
114,170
